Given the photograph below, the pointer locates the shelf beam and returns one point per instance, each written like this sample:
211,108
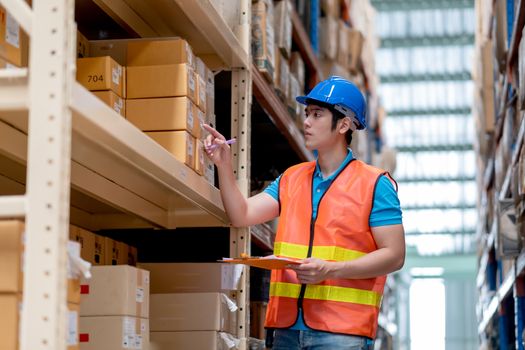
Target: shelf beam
436,179
276,111
428,112
407,5
439,207
446,40
12,207
417,233
410,78
435,148
196,21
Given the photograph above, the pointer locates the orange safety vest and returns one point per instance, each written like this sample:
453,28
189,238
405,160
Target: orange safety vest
341,232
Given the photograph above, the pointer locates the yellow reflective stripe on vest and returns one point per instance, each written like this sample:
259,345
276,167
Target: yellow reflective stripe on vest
321,252
328,293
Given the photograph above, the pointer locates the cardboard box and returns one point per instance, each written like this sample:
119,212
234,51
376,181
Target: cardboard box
283,26
12,234
297,69
113,100
200,67
331,8
355,47
5,64
193,312
282,73
161,81
164,114
193,277
209,171
342,55
210,94
328,27
263,49
82,45
116,253
73,280
72,326
114,333
198,340
159,52
132,256
115,291
14,42
178,143
10,304
257,318
116,49
199,157
101,73
201,91
91,245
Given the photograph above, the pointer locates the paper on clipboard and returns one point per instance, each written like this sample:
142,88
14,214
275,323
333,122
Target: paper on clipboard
270,262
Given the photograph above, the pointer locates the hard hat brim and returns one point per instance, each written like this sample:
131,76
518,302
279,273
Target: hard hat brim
301,99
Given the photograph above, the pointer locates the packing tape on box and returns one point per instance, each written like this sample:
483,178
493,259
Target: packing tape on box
229,340
229,303
76,266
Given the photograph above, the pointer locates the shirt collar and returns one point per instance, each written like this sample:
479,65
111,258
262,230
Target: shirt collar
318,173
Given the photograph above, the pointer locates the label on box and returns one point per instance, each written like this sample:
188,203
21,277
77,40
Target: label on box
115,76
190,147
12,31
117,107
72,328
190,116
129,337
138,341
139,295
202,117
191,80
189,54
143,325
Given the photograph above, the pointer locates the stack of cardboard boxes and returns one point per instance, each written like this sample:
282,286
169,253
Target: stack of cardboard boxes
169,91
115,309
192,305
11,287
14,42
272,52
99,250
340,45
105,78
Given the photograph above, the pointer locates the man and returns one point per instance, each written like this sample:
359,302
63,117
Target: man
338,214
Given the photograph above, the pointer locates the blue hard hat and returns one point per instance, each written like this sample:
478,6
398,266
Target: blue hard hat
342,94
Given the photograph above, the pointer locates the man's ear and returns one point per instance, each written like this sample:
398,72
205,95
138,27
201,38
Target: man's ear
344,125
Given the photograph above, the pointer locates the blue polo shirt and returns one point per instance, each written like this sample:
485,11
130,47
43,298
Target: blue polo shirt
386,209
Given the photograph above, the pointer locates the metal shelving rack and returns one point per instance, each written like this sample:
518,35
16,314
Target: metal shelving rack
68,139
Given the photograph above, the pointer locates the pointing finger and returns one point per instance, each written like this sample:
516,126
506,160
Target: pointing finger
213,132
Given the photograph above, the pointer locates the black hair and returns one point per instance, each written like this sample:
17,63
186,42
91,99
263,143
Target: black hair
336,115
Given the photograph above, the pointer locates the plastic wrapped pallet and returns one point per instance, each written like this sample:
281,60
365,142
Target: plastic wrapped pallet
283,26
263,49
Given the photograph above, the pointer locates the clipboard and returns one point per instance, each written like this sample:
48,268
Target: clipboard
270,262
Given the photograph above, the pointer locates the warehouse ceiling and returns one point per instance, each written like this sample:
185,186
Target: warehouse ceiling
424,63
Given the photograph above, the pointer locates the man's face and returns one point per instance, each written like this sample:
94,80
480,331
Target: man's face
318,131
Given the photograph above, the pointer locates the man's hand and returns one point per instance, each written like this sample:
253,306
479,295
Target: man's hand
313,270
